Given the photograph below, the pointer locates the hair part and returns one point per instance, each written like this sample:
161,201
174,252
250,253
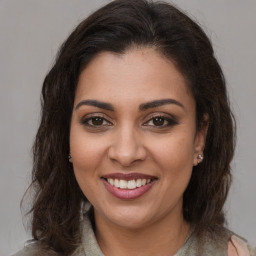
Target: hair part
117,27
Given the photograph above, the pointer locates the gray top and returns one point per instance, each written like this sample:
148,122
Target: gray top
89,246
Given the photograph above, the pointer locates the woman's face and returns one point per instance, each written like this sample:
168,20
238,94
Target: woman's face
133,137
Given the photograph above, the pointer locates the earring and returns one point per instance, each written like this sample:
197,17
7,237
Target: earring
200,158
69,156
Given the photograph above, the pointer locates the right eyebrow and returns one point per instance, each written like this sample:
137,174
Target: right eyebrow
95,103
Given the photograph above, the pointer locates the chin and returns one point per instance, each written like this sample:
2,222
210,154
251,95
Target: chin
131,222
128,217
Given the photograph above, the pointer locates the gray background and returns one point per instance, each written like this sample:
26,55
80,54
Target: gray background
31,32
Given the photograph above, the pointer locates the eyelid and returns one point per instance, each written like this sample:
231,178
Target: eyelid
162,114
168,117
87,117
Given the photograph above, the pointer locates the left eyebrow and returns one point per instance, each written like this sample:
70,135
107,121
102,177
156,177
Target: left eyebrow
158,103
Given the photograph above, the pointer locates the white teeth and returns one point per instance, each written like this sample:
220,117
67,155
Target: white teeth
131,184
123,184
138,183
116,183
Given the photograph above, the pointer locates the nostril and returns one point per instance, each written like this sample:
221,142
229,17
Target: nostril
127,154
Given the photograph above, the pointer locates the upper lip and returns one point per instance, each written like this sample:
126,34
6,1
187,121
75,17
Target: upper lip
128,176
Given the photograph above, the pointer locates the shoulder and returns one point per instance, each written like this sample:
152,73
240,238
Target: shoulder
233,244
28,250
34,249
220,242
230,243
239,247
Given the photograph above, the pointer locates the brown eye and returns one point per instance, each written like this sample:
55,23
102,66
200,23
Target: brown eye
161,122
158,121
97,120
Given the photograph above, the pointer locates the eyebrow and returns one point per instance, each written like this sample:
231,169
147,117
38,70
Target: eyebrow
95,103
142,107
158,103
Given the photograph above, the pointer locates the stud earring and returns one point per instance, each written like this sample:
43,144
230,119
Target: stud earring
200,158
69,156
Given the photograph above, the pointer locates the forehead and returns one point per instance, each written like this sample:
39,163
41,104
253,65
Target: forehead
138,74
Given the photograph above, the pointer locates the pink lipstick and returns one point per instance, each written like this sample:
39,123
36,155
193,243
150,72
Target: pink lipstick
128,186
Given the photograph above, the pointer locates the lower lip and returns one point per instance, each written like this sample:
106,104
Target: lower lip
128,193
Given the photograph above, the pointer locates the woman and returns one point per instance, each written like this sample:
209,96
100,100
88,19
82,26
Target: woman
132,156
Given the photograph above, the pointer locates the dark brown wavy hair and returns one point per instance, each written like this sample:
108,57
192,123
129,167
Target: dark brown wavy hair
116,27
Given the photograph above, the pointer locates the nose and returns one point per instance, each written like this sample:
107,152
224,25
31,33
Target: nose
127,147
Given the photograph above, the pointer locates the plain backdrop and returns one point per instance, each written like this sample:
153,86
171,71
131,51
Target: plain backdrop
31,32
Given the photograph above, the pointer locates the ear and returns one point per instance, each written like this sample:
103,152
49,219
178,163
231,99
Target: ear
200,140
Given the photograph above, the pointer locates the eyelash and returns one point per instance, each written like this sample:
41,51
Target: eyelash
170,121
86,121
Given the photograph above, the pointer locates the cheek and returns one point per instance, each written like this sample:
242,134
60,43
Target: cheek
87,154
177,166
175,152
174,160
86,158
86,149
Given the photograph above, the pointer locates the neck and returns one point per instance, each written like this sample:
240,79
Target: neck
164,237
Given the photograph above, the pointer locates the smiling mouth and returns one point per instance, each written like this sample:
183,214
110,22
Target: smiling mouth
128,184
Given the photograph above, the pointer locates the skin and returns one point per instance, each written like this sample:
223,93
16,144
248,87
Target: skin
130,140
